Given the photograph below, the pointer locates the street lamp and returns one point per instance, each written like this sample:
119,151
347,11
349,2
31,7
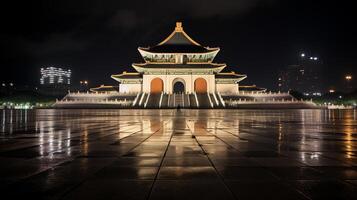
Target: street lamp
348,77
84,82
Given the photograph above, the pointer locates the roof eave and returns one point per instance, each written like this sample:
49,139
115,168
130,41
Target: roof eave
147,50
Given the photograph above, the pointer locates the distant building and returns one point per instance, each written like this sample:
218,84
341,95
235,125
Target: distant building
55,81
304,77
53,75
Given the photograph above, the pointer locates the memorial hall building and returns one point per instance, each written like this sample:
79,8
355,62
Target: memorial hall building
178,72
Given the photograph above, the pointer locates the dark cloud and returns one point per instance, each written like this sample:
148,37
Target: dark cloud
209,8
55,44
126,20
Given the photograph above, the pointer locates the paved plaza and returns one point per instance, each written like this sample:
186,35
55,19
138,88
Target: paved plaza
170,154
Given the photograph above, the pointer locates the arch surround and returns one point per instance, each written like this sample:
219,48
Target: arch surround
156,85
200,85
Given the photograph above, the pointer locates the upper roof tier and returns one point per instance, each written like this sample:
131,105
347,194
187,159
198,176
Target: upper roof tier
179,42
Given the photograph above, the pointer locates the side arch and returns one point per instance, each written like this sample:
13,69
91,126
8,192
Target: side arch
156,85
200,85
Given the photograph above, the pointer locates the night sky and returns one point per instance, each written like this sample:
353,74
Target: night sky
99,38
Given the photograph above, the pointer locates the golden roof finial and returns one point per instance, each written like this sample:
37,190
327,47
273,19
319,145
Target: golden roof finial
178,26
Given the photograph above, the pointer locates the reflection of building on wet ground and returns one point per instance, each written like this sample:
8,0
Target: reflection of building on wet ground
164,154
179,72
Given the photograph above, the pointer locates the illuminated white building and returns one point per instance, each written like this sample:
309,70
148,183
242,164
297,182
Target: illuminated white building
53,75
179,64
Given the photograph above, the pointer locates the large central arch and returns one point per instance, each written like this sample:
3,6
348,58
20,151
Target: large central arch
200,85
178,85
156,85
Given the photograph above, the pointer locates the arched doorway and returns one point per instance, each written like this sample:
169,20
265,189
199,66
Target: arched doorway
157,85
178,85
200,85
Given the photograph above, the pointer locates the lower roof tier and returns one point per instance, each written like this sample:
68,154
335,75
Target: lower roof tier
105,88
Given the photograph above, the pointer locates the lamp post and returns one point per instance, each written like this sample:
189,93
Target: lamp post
348,79
83,85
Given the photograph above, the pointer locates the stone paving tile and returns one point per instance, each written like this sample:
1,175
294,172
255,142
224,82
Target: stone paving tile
245,173
297,173
191,154
325,189
278,162
187,173
137,162
190,190
185,161
111,189
343,173
264,190
127,173
241,162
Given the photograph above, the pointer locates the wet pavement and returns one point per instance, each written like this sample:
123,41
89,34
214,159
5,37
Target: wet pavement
169,154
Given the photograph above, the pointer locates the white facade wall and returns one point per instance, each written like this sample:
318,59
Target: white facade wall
227,88
130,88
188,80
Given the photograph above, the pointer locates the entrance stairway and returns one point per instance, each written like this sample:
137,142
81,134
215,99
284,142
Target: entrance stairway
179,100
193,100
204,100
153,100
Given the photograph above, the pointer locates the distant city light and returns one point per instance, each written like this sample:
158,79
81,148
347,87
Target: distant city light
53,75
315,58
302,55
311,58
332,91
317,94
